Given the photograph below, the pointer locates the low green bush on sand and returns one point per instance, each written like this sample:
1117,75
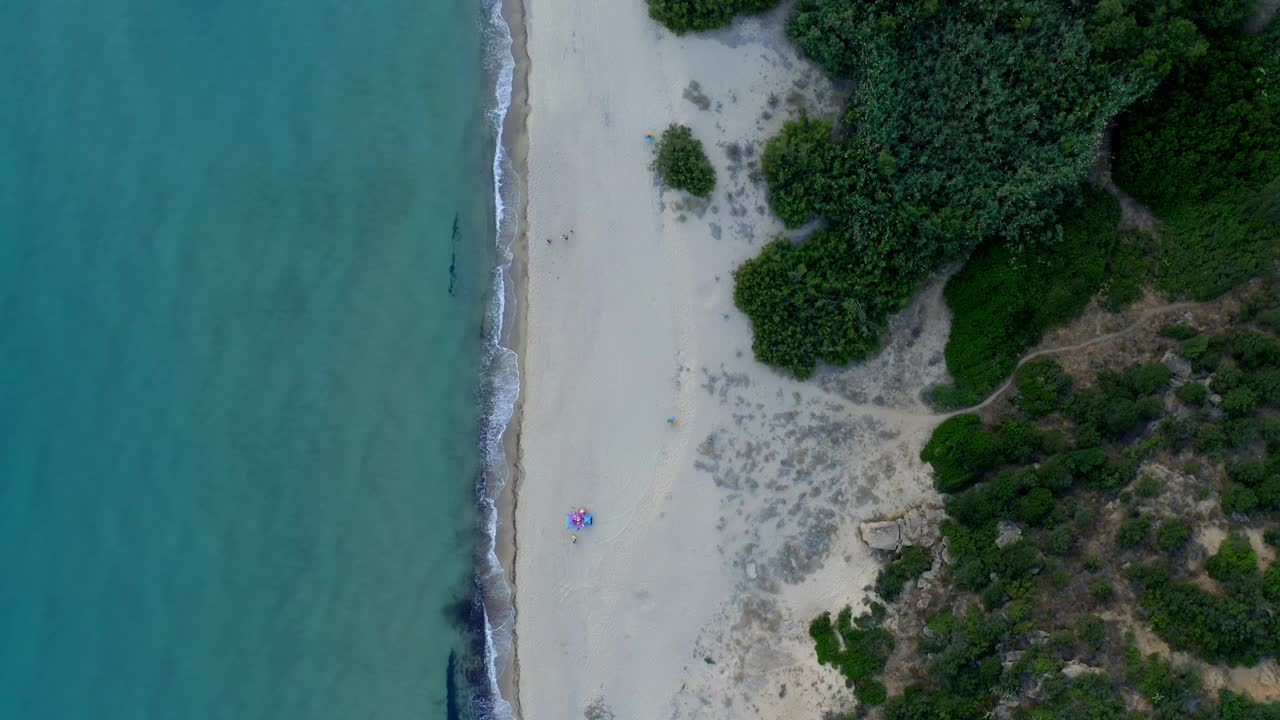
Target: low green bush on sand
1003,300
911,563
682,163
682,16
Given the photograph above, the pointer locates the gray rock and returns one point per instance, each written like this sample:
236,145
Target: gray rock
882,535
1008,533
1180,366
1075,669
751,570
1215,399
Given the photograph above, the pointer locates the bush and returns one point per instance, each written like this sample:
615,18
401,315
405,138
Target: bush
960,451
1178,331
682,163
866,644
1043,386
1061,539
1239,499
1172,535
1215,628
1102,590
1193,394
1209,438
1091,695
1133,531
1202,153
1035,506
870,692
1092,630
969,124
911,563
1147,487
681,16
1235,565
799,300
1240,402
1002,301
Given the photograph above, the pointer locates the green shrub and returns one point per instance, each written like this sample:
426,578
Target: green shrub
1172,535
1174,692
1254,350
1035,506
1016,441
1043,386
1202,153
1235,565
870,692
960,451
1178,331
1102,590
1232,706
795,160
866,645
1193,393
681,16
1216,628
1271,536
1128,269
1209,438
1147,487
1271,582
1133,531
969,124
1240,402
1002,301
799,300
1092,630
1061,539
910,564
682,163
1239,499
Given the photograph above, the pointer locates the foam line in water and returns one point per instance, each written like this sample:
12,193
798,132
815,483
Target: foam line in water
500,386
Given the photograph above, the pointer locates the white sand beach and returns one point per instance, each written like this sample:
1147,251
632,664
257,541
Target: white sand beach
719,538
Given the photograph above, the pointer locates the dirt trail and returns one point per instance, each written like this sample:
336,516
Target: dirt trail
881,411
1142,318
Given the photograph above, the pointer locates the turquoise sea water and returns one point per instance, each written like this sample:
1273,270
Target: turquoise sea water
238,419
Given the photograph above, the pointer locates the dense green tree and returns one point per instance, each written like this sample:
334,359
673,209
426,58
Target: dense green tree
682,163
682,16
960,450
1204,153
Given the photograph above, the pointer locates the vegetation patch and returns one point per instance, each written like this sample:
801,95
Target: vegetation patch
682,16
682,163
1065,517
973,122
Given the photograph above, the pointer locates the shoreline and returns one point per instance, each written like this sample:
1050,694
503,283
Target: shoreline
516,140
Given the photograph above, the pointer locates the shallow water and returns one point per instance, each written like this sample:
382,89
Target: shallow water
238,414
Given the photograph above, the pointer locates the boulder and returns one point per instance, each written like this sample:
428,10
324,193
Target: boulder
1075,669
1180,366
882,535
1008,533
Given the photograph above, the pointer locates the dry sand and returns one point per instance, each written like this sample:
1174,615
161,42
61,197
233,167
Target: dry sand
717,539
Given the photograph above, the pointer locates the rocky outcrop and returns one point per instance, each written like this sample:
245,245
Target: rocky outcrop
1007,533
917,526
882,535
1180,366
